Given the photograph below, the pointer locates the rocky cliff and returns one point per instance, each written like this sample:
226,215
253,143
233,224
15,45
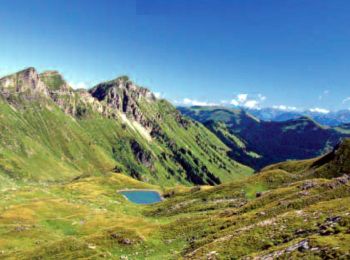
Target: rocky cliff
26,82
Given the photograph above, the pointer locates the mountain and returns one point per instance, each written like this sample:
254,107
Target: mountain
259,143
50,132
329,119
274,114
65,156
290,210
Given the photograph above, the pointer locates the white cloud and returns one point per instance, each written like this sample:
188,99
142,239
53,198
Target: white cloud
285,108
193,102
251,104
78,85
243,100
319,110
242,97
158,95
346,100
234,102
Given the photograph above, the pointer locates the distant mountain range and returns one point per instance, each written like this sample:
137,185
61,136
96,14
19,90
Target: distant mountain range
330,119
258,143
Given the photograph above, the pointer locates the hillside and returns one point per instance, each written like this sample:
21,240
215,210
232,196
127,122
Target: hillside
298,210
259,143
50,132
289,210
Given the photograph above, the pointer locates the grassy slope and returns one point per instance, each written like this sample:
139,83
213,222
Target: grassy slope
181,150
40,142
293,206
88,218
202,144
85,218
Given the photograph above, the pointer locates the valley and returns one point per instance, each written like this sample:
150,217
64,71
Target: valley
258,143
174,130
298,209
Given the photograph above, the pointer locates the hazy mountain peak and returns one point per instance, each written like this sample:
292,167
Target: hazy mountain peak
333,118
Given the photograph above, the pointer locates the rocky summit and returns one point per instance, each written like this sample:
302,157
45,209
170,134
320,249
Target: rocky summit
25,82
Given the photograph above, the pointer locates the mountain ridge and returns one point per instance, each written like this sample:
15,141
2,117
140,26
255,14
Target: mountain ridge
258,143
329,118
127,129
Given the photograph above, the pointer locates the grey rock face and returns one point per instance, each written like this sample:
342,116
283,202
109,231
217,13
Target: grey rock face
125,96
142,155
26,82
108,99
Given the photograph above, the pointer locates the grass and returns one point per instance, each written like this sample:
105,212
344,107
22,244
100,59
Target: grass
56,215
38,141
88,218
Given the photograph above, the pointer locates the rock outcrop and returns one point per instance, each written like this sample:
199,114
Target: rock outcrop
111,99
26,82
123,95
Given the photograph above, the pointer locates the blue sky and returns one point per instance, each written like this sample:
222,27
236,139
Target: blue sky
255,53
